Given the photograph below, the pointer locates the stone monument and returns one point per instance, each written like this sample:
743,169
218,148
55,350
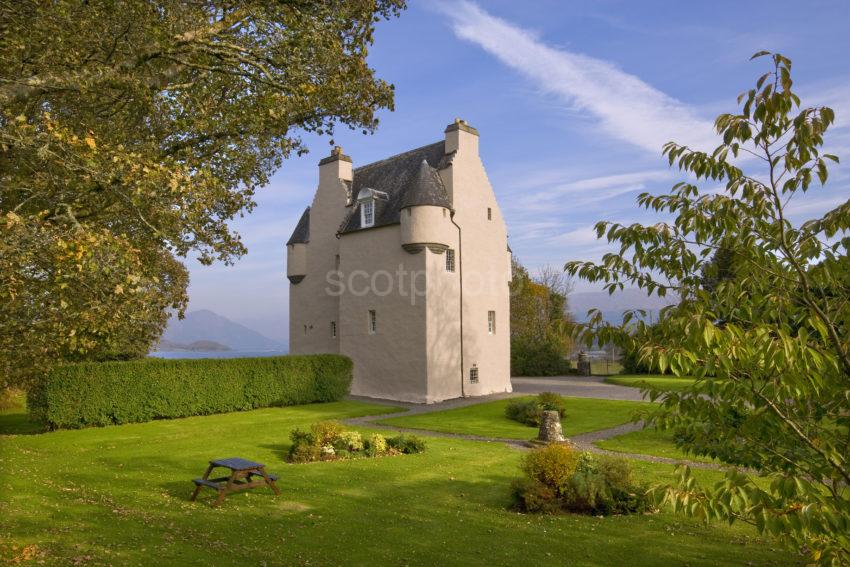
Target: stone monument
550,427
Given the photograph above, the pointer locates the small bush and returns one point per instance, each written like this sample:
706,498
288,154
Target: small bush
375,445
327,432
553,465
559,478
107,393
533,496
407,444
531,411
349,441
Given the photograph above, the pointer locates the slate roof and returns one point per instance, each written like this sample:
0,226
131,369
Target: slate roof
301,234
405,179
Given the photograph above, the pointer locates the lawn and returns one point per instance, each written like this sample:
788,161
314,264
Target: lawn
119,495
649,441
661,382
488,419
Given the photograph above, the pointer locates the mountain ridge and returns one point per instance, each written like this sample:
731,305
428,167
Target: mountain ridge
206,325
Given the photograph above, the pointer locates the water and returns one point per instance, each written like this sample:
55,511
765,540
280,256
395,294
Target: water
216,354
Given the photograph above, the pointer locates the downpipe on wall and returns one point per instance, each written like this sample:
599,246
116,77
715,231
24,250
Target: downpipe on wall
460,273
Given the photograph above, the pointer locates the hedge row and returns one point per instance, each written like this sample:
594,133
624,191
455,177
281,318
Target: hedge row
106,393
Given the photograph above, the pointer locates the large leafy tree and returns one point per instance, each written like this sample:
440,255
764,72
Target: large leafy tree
769,339
540,321
132,132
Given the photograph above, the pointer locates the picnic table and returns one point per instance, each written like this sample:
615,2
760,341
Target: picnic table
244,474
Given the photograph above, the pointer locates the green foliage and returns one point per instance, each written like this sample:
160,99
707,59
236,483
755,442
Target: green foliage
97,394
331,441
552,465
375,445
532,496
530,411
763,308
540,338
131,133
557,477
407,444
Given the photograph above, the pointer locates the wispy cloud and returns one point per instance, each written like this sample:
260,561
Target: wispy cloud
626,107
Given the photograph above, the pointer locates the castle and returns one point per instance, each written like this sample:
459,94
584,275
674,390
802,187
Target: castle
403,266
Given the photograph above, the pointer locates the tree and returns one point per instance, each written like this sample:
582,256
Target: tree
132,132
776,336
540,337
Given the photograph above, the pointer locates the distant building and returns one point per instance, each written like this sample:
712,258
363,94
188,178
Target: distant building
403,265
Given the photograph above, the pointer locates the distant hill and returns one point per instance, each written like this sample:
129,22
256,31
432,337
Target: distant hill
196,346
612,306
204,325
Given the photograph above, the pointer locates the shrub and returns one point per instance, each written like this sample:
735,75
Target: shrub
407,444
327,432
552,465
349,441
530,411
375,445
530,495
558,477
106,393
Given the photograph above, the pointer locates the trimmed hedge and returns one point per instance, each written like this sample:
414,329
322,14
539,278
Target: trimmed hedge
107,393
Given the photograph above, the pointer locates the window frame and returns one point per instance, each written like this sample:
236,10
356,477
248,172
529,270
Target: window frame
333,329
489,213
473,374
451,260
491,322
372,322
367,219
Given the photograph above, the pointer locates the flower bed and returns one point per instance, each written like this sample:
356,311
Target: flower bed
331,441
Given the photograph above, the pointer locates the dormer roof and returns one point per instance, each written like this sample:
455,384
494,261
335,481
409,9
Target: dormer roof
408,179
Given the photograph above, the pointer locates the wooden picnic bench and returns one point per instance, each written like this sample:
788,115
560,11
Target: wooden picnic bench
244,474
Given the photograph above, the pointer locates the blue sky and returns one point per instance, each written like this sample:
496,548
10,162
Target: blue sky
573,101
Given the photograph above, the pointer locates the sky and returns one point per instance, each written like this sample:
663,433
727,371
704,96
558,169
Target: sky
572,100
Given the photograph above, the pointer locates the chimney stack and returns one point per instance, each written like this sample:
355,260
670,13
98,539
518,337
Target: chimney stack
335,167
461,138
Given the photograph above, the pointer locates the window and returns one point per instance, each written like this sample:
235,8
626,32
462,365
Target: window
473,374
336,263
450,260
333,329
373,322
489,213
491,322
367,213
305,329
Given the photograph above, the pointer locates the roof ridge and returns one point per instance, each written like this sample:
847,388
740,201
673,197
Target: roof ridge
380,161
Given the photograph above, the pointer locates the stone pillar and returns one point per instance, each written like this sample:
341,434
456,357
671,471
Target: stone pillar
583,364
550,427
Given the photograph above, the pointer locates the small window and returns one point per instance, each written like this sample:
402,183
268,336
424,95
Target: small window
450,260
489,213
336,262
367,213
373,322
333,329
305,329
491,322
473,374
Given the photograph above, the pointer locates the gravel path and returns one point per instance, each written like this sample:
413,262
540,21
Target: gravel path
584,441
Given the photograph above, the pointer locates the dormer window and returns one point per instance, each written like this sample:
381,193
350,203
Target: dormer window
367,213
366,198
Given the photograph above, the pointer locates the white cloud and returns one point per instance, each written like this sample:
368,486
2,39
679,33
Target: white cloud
626,107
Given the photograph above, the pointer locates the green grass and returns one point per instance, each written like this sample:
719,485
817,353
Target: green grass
119,495
488,419
671,383
649,441
14,419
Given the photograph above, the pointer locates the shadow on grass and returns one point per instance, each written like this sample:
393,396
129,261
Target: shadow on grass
17,422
